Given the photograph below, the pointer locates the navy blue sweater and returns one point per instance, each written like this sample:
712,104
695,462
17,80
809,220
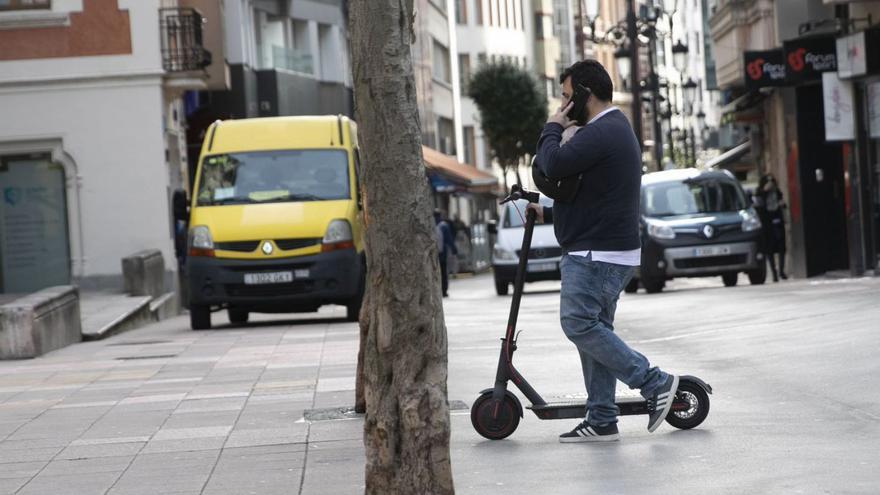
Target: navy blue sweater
605,213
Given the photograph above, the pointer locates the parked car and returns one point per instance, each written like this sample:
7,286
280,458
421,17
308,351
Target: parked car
697,224
543,257
275,219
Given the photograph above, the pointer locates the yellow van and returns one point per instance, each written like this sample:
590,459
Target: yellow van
275,219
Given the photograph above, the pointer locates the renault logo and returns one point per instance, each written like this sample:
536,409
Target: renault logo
708,231
267,248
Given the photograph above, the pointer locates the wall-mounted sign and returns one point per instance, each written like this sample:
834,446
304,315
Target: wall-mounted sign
764,68
873,97
839,108
806,59
859,54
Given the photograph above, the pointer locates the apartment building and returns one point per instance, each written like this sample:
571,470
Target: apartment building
92,135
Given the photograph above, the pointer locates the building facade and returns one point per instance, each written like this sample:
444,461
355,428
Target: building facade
92,136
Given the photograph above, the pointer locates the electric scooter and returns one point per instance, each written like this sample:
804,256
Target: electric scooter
497,411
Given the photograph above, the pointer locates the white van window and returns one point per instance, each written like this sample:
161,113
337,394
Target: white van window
274,176
514,219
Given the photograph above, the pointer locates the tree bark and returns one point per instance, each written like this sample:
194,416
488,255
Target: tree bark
406,428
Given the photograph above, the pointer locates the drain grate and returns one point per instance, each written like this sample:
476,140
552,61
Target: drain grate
331,413
141,342
156,356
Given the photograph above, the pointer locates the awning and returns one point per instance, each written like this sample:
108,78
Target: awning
451,170
730,155
744,102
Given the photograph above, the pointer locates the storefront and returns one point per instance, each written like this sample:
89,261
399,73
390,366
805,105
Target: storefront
817,166
859,79
467,195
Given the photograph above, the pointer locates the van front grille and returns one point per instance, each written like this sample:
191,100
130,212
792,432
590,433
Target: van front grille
239,246
710,261
290,244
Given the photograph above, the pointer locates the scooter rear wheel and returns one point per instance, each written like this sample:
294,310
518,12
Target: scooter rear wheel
698,409
495,420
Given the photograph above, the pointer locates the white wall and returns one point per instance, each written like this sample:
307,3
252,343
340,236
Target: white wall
113,133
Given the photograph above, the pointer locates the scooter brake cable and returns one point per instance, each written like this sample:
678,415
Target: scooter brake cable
516,207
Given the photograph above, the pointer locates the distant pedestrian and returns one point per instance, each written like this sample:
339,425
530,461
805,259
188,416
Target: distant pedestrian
445,248
770,205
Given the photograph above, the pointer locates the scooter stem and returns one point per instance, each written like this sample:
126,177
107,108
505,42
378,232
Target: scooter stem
519,281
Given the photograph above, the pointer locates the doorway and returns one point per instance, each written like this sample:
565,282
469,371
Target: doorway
823,190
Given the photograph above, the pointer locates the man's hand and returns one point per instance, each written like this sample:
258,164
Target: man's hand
561,116
539,210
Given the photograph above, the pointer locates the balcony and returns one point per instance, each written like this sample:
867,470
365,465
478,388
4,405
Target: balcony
183,51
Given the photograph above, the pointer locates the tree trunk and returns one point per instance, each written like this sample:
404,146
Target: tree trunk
406,430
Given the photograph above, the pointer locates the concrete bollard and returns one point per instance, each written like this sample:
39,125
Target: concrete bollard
40,322
144,273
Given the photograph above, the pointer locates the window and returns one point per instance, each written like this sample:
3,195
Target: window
442,70
25,4
464,71
446,136
461,11
481,59
470,146
479,11
539,26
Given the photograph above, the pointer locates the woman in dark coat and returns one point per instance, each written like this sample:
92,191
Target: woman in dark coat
769,204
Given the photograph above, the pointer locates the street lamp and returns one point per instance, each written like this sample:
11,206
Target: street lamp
592,10
624,63
701,120
679,56
690,93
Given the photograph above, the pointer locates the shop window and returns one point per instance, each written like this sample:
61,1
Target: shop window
34,249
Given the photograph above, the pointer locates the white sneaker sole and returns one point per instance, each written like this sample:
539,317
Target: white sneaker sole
667,407
595,439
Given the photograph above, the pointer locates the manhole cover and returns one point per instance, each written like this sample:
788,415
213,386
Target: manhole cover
157,356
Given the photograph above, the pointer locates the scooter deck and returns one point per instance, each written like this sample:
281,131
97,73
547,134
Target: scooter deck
576,408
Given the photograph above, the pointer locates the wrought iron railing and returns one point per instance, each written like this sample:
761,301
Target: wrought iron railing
182,46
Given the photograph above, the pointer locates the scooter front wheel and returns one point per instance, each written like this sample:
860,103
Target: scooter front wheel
697,406
495,419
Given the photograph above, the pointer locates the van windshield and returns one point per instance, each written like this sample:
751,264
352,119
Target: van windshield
691,197
274,176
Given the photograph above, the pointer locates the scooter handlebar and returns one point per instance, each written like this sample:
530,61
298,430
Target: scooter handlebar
517,192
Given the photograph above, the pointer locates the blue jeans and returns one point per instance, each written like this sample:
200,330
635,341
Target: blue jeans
590,290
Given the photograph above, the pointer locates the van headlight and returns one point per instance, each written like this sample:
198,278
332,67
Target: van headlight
750,221
337,236
502,254
660,230
200,237
200,242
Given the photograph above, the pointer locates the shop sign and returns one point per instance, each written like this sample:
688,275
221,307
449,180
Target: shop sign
806,59
764,68
839,108
873,96
859,54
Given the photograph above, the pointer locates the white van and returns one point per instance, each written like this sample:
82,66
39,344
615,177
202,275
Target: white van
544,255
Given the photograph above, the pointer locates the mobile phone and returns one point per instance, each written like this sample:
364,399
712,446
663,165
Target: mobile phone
578,112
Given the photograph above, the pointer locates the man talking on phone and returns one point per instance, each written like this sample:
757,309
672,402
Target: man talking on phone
598,229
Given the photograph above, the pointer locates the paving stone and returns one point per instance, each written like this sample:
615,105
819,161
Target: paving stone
73,484
267,436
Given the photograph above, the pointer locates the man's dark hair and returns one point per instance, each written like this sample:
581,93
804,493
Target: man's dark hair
591,74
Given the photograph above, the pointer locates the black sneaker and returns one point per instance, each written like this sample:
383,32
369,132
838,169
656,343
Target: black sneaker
585,432
661,402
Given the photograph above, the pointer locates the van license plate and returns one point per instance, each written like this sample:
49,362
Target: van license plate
712,251
541,267
268,278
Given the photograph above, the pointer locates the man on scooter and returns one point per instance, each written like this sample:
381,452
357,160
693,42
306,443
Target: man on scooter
597,226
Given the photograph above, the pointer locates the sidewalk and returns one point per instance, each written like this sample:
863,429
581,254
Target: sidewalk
163,409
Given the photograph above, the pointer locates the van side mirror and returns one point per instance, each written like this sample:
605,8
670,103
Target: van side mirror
179,205
493,227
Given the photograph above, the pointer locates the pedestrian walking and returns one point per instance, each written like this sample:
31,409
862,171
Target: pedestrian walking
770,205
599,234
445,248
